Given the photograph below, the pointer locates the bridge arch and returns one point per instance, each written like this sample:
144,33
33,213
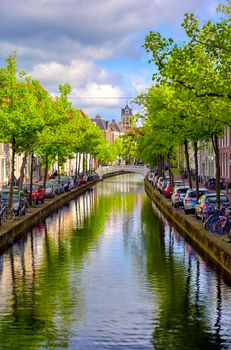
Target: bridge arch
106,171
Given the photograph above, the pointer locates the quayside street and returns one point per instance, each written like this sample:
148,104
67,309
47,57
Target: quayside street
108,271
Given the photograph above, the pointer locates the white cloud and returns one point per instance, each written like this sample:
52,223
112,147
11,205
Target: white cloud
92,28
99,94
77,73
66,41
140,83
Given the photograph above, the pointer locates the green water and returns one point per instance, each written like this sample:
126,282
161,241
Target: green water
109,272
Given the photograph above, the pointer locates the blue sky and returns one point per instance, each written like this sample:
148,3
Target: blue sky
94,45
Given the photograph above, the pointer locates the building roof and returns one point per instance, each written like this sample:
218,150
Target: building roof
102,124
84,115
112,126
126,108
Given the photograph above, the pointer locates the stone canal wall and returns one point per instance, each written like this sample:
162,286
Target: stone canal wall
9,231
215,247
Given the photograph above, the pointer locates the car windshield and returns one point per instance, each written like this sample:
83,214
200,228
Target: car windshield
48,185
5,196
182,190
55,183
193,194
213,199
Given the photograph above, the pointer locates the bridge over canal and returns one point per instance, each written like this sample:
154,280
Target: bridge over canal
121,169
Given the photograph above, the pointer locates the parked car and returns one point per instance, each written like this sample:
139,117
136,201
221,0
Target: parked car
19,201
154,180
82,179
91,176
159,182
66,182
168,189
57,186
162,184
150,176
207,204
190,200
179,183
76,181
178,195
38,192
49,189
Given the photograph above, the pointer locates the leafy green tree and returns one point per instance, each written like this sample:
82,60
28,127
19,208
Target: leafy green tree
201,67
20,120
129,146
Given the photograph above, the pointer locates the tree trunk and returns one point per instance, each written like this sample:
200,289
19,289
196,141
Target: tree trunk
46,170
187,162
58,166
12,175
90,162
31,177
22,170
84,163
169,168
196,169
218,171
79,162
76,164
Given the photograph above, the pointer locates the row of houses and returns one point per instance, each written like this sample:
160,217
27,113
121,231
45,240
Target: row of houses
207,166
111,130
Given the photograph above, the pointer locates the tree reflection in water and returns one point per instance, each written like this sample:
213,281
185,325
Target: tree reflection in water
108,269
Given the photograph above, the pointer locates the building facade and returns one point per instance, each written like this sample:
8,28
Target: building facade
225,154
111,130
126,116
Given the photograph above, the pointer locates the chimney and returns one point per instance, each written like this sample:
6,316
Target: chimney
113,121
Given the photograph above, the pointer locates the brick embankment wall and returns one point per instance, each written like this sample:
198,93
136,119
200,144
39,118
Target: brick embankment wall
215,247
9,231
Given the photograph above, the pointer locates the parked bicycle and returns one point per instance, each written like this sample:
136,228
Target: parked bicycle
6,213
211,184
220,221
209,222
223,225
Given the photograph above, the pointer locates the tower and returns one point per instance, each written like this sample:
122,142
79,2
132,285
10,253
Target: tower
126,114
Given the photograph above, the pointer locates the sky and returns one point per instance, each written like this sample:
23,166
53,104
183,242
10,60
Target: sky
93,45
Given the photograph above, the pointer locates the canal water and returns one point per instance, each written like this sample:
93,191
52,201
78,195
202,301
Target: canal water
108,271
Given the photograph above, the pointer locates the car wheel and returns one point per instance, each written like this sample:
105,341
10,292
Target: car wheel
186,211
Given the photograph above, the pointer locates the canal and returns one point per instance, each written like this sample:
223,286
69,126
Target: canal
108,271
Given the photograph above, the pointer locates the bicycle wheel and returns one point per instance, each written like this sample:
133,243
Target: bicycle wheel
205,223
209,223
221,226
8,215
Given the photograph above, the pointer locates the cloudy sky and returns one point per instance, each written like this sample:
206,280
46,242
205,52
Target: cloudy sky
94,45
